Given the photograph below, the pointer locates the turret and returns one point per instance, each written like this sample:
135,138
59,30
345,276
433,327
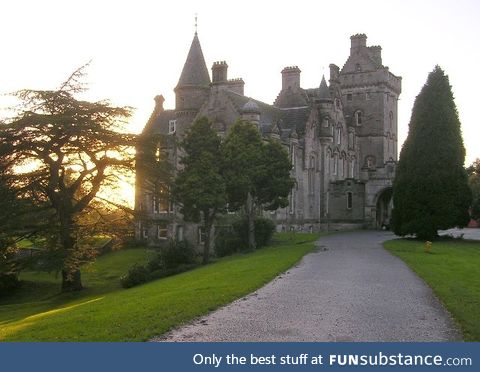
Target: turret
193,85
219,72
358,42
291,78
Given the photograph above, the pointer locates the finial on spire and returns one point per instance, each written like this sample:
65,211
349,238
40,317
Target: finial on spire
196,26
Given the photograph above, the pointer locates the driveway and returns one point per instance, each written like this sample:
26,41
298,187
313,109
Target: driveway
351,289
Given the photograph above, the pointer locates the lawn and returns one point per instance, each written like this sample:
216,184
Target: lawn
452,270
105,312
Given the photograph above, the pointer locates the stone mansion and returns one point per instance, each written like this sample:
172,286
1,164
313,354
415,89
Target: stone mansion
341,137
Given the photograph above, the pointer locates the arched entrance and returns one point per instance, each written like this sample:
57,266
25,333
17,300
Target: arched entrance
384,208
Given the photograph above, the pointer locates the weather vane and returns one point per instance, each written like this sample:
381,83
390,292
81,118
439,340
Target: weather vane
196,28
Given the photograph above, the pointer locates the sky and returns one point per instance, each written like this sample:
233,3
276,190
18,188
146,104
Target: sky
137,48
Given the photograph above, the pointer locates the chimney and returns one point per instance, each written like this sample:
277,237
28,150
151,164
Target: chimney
358,41
159,103
219,72
334,73
376,54
291,77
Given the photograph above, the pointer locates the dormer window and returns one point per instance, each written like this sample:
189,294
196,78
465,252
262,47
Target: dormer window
172,126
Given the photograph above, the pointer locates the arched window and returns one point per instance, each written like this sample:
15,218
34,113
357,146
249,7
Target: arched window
358,118
390,118
339,136
335,164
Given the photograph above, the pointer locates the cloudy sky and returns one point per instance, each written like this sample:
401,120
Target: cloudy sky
138,47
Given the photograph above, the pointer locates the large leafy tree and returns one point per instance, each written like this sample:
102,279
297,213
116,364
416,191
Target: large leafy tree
257,174
430,190
200,186
58,152
473,172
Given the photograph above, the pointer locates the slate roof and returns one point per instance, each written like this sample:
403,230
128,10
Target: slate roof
323,91
158,122
195,70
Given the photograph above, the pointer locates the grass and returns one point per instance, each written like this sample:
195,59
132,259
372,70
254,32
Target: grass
452,270
104,312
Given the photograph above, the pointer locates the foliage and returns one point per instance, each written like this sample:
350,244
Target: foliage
173,259
473,172
264,229
451,270
227,242
257,174
200,185
430,190
141,313
58,152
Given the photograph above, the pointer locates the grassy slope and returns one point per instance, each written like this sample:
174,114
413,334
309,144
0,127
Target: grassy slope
453,272
104,313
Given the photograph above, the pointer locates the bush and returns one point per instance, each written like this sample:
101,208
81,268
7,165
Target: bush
227,242
138,274
177,257
264,229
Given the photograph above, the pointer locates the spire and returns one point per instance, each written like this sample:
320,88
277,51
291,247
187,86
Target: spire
195,72
323,91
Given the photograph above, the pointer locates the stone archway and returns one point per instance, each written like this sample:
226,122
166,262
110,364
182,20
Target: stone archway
384,207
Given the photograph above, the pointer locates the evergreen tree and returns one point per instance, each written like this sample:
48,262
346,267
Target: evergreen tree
473,172
200,187
257,174
57,153
430,190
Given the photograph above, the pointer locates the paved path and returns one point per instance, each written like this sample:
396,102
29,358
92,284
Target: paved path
350,290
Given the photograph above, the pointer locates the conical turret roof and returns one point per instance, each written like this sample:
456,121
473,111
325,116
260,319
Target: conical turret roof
195,72
323,91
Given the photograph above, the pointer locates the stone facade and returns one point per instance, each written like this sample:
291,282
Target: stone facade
341,137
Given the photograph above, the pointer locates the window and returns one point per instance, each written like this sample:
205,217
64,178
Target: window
339,136
162,232
311,175
335,164
161,204
349,200
145,233
358,118
292,156
390,118
352,168
349,97
367,96
179,234
201,235
358,67
292,201
337,103
326,122
172,126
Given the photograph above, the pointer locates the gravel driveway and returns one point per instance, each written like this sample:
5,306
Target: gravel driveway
351,289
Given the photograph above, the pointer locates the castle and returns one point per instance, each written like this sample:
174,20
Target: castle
341,138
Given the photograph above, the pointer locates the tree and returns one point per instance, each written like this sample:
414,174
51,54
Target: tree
200,187
473,172
257,174
59,151
430,190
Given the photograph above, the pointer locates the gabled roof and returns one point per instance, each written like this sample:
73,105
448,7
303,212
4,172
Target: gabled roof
195,72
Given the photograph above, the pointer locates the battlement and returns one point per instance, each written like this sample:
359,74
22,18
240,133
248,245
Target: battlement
236,85
291,77
358,41
219,72
290,69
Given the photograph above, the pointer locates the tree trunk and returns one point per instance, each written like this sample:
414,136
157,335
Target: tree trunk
71,281
71,277
206,245
250,213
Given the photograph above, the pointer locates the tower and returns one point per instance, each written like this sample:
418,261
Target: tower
370,96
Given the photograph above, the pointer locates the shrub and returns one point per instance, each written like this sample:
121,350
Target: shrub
8,283
177,257
227,242
138,274
264,229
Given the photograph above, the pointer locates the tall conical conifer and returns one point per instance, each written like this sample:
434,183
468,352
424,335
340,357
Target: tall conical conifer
430,190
